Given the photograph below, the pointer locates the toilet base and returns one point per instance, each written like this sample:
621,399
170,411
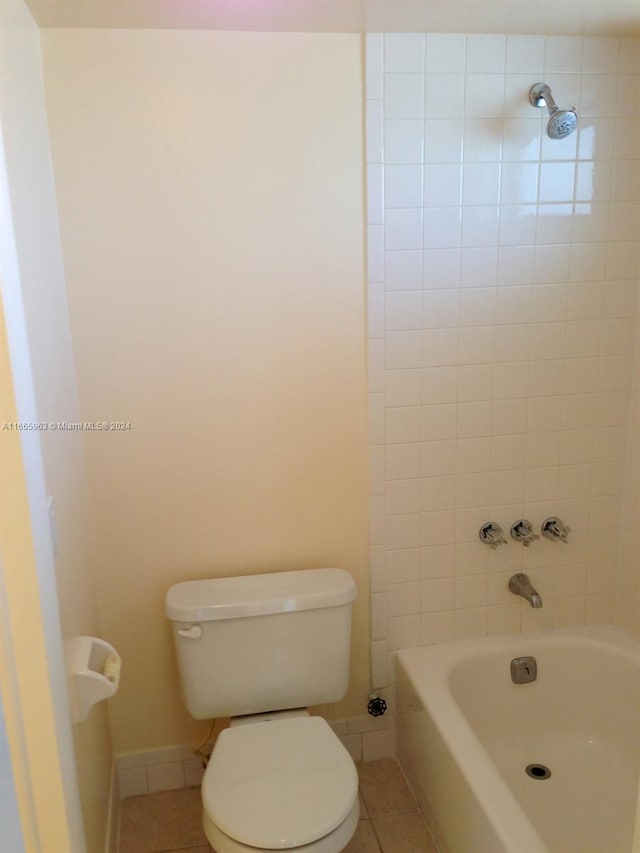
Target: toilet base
334,842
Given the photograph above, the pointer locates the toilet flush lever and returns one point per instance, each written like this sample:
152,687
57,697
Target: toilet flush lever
193,632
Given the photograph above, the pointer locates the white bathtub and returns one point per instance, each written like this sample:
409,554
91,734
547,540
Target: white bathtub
466,733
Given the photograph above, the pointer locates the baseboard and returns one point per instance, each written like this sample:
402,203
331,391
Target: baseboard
169,768
113,814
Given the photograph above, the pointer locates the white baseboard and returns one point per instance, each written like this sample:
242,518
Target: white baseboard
113,814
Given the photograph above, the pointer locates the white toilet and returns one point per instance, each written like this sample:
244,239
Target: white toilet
260,649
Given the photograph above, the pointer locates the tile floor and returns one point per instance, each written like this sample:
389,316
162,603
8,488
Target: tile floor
390,820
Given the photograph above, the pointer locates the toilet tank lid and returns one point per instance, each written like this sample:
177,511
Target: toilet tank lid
258,595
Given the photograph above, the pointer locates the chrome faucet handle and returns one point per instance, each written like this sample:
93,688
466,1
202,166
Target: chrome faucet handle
555,530
522,531
492,535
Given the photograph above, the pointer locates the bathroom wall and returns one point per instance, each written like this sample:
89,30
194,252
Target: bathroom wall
502,302
37,242
211,199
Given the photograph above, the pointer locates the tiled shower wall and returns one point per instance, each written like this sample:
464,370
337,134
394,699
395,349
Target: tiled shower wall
503,278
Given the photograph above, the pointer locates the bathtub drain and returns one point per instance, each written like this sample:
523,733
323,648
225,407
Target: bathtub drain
537,771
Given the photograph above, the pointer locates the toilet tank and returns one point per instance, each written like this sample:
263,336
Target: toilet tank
262,642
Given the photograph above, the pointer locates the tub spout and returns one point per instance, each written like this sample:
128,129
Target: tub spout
520,584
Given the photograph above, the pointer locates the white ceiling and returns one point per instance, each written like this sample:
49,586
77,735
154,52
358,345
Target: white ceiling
571,17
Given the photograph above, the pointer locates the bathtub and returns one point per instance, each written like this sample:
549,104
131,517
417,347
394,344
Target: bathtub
466,733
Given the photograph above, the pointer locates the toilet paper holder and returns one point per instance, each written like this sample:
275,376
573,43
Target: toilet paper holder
93,666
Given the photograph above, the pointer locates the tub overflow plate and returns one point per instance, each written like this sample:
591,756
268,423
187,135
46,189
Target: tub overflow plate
524,670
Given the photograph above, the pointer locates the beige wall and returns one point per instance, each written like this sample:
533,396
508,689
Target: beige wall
42,291
210,192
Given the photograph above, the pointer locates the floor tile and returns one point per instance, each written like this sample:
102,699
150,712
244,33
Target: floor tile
384,788
199,849
364,839
363,807
168,820
404,833
390,822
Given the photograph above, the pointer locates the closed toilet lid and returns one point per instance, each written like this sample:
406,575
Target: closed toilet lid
279,784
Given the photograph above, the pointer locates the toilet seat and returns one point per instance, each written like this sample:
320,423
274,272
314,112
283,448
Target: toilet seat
281,784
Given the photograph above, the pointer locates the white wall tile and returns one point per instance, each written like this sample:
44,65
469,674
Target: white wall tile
403,565
600,55
445,53
166,777
519,183
404,52
555,223
379,675
403,141
403,186
374,71
563,53
374,114
479,266
440,347
439,422
510,270
375,195
517,225
442,227
132,782
403,270
557,182
403,387
375,254
481,183
402,311
559,149
525,54
443,140
404,96
403,349
403,496
403,229
486,53
480,228
439,457
440,309
597,137
483,140
444,96
403,461
484,96
442,184
402,424
438,493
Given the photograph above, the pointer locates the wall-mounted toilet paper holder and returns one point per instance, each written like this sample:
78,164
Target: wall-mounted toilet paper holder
94,673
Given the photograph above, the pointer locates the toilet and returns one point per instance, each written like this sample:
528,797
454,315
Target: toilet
261,649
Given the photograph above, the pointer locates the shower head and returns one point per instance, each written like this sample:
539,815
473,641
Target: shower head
561,122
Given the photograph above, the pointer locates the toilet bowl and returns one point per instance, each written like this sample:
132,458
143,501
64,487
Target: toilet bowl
286,783
261,649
